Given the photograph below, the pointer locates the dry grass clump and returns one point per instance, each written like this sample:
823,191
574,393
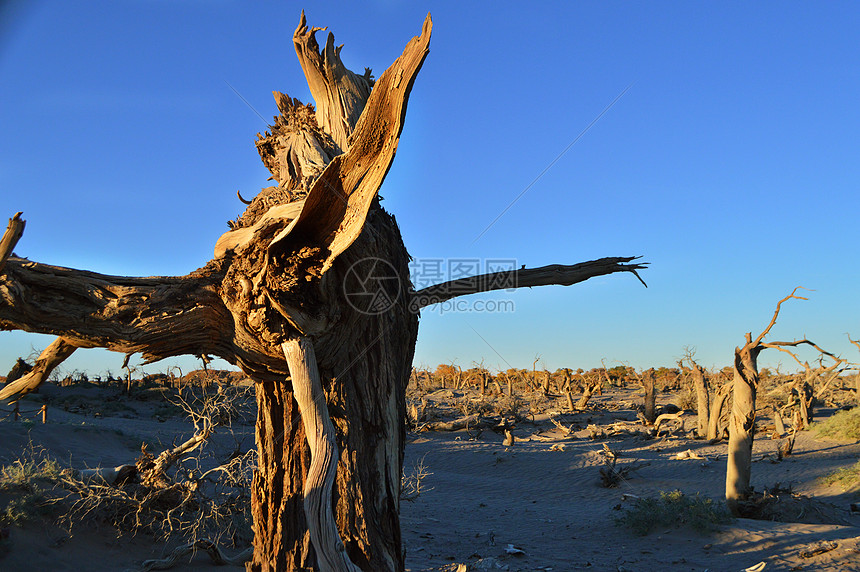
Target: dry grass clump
674,509
841,425
686,399
27,472
510,406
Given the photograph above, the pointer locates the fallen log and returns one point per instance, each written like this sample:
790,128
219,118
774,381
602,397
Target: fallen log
470,421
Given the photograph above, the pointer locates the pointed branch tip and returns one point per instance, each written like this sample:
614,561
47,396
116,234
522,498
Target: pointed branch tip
239,194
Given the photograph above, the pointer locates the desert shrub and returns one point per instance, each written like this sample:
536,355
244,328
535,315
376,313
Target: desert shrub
187,503
776,397
674,509
782,504
26,507
841,425
179,494
687,399
481,406
28,479
509,405
847,477
412,484
29,473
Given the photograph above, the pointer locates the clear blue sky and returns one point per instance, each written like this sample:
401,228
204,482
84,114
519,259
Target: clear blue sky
731,163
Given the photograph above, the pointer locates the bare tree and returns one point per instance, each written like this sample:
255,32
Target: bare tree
716,424
593,381
534,376
309,294
803,391
742,420
857,376
697,372
648,381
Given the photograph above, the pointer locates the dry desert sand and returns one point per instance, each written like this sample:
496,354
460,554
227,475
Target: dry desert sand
541,496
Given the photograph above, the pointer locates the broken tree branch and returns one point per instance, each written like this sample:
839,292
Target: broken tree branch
776,314
10,238
338,202
339,93
319,431
782,345
554,274
50,358
157,317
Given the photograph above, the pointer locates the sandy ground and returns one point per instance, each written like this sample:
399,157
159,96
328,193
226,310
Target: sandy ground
542,495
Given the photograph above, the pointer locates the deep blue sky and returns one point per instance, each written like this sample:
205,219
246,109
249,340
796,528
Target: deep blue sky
731,163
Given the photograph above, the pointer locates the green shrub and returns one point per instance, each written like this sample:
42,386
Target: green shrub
24,474
674,509
26,507
28,478
847,477
840,425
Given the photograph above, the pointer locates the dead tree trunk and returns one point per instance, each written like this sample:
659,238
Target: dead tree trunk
51,357
702,399
803,393
742,423
592,385
649,384
856,344
697,372
715,431
309,294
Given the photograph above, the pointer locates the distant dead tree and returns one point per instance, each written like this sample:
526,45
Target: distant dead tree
481,376
745,384
533,380
857,375
504,376
592,382
450,372
700,383
648,381
309,294
563,377
716,422
19,370
804,392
